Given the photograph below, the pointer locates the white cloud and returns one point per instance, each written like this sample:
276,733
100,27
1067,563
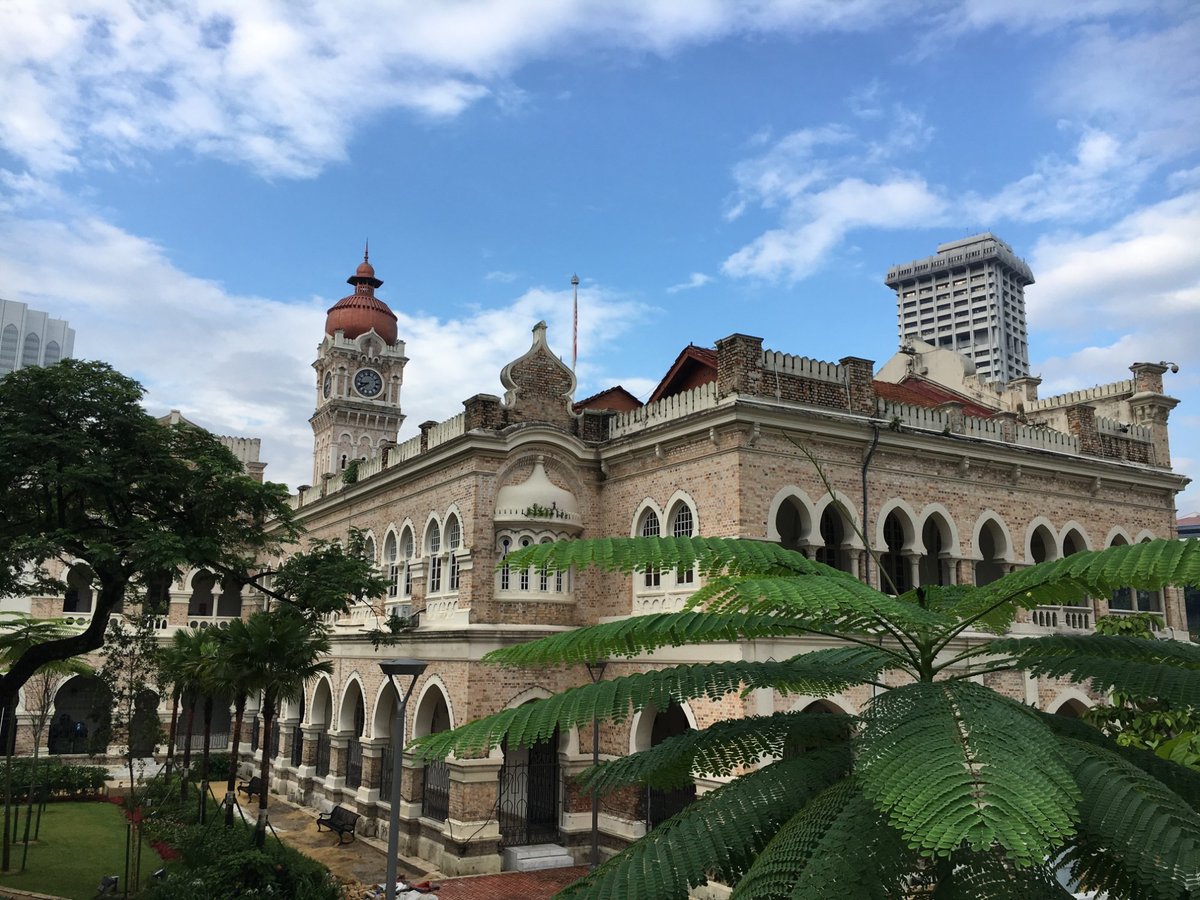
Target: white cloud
697,279
500,276
241,364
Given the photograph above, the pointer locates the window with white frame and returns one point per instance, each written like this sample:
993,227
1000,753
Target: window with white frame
683,525
406,553
533,580
433,549
651,578
393,568
453,542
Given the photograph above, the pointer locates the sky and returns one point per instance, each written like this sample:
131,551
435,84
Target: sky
189,184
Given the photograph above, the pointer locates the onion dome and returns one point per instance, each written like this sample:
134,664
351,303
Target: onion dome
361,311
538,500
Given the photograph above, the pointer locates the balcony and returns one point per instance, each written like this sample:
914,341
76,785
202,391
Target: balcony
1063,618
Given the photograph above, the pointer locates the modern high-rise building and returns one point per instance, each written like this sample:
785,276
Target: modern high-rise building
29,337
969,297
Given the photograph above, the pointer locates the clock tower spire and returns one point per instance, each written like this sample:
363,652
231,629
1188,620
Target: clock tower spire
360,367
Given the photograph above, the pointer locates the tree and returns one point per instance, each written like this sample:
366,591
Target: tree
941,781
86,474
129,673
188,663
240,673
279,651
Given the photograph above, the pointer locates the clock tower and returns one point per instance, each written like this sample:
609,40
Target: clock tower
359,366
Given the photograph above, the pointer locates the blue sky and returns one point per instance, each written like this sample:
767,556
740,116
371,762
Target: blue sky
190,184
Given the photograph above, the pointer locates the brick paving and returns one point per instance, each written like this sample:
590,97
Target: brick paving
510,885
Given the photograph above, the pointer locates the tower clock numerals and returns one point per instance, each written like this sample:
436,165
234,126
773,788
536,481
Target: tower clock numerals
368,382
327,385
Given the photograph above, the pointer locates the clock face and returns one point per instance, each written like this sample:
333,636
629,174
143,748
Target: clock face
367,382
327,388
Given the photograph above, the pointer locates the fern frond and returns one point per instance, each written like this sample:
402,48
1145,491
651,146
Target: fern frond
823,603
1164,669
717,750
1147,566
720,833
712,556
819,673
1181,780
988,876
1147,828
953,762
838,845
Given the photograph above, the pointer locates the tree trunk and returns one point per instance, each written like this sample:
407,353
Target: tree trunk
174,722
260,828
208,711
8,723
187,750
235,740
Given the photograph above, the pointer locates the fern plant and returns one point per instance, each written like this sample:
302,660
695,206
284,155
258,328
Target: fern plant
942,786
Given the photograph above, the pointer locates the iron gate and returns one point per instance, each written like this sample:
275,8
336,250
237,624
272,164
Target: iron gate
322,768
297,745
529,796
435,802
353,763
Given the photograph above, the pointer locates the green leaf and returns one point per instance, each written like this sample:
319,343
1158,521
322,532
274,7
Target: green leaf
718,750
838,845
1164,669
719,834
819,673
954,762
1145,827
988,876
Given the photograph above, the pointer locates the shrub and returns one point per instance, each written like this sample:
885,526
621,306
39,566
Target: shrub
63,782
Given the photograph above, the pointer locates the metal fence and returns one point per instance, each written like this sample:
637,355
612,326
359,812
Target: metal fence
385,775
297,745
353,763
435,802
322,755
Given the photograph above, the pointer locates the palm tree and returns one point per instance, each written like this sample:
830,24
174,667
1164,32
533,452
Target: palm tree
284,650
941,781
239,672
188,661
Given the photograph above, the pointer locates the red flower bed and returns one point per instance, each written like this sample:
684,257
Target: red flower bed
165,850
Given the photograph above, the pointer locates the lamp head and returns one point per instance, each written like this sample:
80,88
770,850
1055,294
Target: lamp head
394,667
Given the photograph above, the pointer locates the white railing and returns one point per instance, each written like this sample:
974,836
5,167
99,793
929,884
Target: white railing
674,407
803,367
407,450
1105,425
444,431
1071,618
1073,398
1048,439
982,428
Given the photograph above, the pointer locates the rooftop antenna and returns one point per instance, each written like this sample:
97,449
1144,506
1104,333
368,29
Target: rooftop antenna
575,323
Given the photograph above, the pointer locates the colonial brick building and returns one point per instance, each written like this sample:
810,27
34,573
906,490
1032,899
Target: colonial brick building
951,478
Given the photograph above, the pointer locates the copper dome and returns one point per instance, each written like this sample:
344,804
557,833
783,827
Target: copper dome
361,311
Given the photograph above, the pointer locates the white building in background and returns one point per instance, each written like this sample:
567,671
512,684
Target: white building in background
29,337
970,298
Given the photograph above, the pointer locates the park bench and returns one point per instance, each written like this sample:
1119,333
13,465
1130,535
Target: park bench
339,819
252,787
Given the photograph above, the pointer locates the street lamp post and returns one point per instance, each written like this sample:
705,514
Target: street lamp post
391,668
596,671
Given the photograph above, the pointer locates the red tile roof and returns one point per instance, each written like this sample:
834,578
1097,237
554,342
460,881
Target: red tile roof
693,367
919,392
615,397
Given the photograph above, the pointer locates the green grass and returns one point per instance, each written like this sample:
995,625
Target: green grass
78,843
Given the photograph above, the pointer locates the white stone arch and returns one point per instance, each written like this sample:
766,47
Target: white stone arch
320,707
642,722
1117,532
839,703
990,515
1066,695
951,541
345,714
854,522
421,716
431,519
372,545
908,522
1054,545
566,739
1145,535
805,505
1074,526
635,526
678,498
453,510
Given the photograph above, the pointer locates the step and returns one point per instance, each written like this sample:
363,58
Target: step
533,857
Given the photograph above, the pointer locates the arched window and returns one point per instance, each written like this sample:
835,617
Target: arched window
683,525
53,353
1041,545
934,567
833,537
433,549
650,528
393,568
523,578
78,598
406,551
505,573
31,350
200,603
8,349
990,565
369,550
893,562
453,543
791,524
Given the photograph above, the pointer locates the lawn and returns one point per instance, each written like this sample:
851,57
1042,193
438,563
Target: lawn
79,843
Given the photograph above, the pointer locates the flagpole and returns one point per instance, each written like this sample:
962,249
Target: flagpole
575,323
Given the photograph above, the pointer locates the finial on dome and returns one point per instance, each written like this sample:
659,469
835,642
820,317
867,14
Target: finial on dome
367,250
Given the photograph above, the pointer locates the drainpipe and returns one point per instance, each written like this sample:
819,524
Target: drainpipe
866,465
